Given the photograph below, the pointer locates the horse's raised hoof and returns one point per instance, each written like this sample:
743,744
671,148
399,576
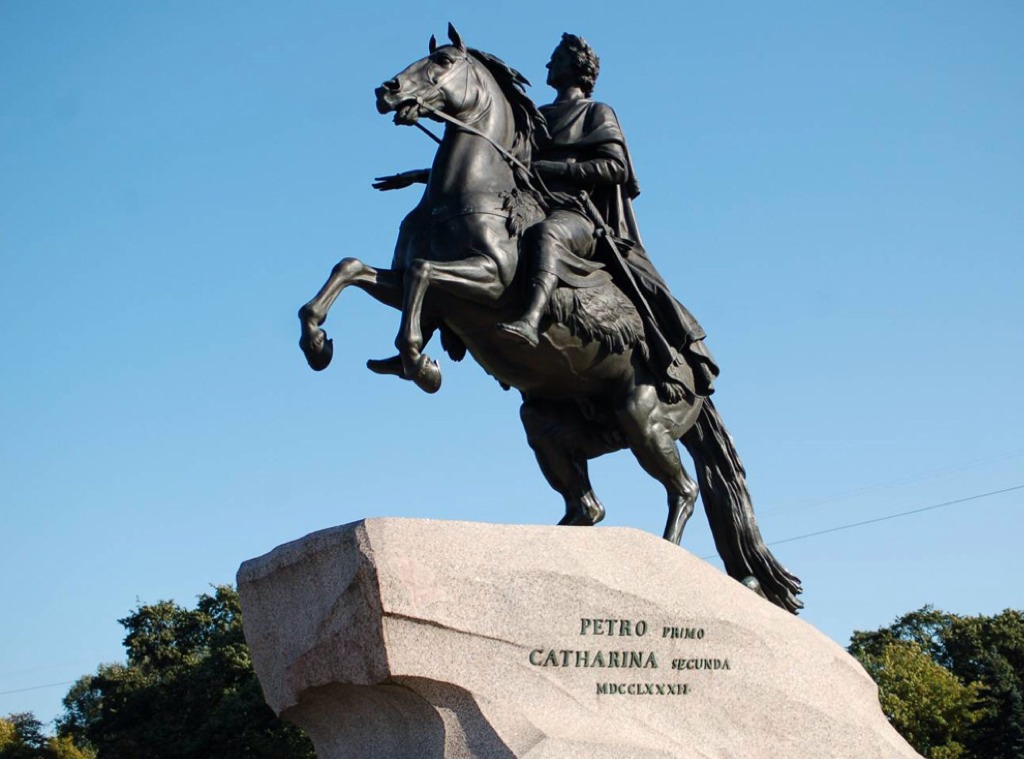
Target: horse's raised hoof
427,376
318,349
521,331
391,365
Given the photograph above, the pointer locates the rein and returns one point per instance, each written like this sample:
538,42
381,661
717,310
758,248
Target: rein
507,155
531,179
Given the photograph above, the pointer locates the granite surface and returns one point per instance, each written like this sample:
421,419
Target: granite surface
420,638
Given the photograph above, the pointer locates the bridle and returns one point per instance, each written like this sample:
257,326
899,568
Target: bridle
438,83
458,123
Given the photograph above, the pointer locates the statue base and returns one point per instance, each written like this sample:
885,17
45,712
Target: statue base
398,638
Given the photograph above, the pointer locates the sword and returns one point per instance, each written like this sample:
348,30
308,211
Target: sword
655,339
605,233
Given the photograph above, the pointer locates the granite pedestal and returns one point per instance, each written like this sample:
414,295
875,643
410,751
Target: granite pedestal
397,638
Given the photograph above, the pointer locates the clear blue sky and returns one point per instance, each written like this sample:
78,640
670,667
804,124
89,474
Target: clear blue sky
836,192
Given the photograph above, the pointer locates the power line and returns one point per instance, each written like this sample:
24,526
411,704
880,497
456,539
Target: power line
890,516
35,687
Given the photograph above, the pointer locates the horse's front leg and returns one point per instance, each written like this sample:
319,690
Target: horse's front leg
476,278
384,285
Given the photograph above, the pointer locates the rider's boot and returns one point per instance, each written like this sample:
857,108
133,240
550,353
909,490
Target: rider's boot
526,328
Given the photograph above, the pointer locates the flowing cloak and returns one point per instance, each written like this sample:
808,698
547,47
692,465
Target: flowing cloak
587,134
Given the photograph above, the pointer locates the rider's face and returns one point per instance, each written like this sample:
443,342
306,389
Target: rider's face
560,68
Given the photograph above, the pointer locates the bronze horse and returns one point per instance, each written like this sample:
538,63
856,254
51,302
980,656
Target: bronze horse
586,387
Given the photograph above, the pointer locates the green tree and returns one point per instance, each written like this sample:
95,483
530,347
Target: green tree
8,734
21,737
980,712
924,701
187,691
64,747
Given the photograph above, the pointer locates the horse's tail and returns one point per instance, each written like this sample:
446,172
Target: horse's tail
723,488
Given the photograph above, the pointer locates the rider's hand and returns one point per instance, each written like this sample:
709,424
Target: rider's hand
551,169
400,181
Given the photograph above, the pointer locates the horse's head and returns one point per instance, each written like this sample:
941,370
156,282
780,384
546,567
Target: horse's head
443,81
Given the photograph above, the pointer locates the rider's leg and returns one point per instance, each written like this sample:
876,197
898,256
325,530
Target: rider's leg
563,442
650,438
562,235
526,328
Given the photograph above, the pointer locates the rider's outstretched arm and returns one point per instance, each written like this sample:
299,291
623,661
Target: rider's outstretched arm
401,180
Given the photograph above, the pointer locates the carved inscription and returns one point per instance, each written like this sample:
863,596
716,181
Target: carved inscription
636,650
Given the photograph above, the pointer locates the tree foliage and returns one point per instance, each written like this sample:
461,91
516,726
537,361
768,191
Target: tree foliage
21,737
924,701
8,733
952,685
187,691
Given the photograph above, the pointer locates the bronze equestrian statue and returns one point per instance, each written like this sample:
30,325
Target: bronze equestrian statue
523,251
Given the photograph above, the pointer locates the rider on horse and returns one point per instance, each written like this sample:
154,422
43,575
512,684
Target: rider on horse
585,151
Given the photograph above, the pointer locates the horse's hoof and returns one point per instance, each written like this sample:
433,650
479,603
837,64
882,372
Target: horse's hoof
522,331
427,376
318,350
391,365
752,583
586,512
578,518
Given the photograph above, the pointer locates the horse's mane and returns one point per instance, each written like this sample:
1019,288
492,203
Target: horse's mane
528,119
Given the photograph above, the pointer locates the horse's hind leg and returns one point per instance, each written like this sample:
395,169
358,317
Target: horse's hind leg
563,442
385,285
649,437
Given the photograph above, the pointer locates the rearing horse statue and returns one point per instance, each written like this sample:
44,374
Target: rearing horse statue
586,387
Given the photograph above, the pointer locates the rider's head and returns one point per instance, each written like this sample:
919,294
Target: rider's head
576,59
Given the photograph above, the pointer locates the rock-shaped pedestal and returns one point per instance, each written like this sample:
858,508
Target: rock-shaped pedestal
399,638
